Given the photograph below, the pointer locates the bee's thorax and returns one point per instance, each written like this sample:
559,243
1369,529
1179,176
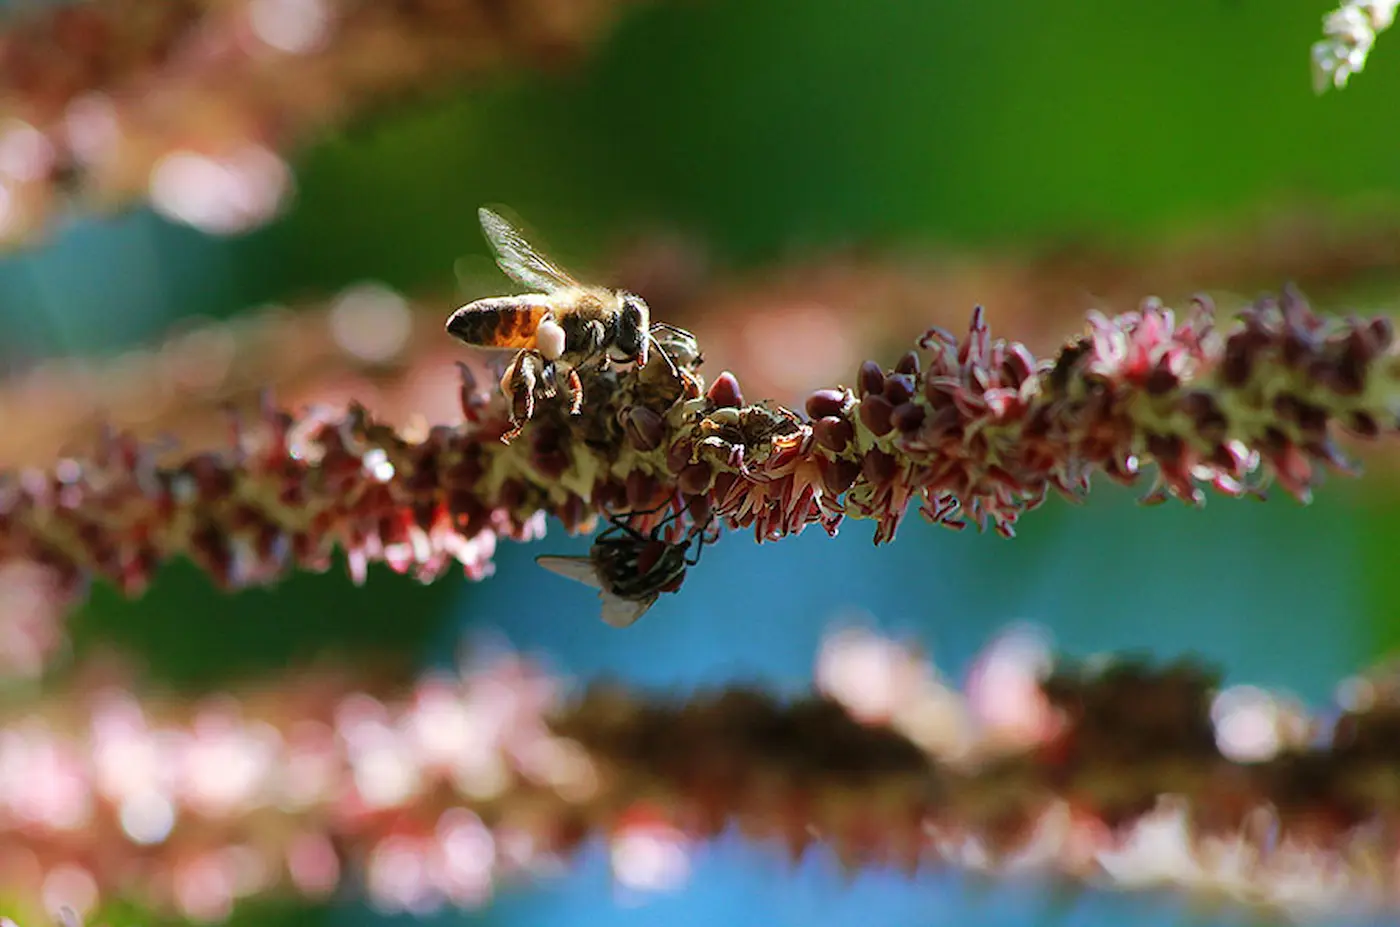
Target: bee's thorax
585,334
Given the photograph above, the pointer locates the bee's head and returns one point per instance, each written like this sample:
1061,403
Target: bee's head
633,323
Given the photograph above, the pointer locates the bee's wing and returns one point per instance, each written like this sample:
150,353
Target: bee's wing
581,569
518,258
619,612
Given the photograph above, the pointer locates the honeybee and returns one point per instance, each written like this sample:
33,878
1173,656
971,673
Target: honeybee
563,326
630,570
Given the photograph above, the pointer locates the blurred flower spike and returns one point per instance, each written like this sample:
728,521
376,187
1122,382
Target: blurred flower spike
196,107
440,791
971,430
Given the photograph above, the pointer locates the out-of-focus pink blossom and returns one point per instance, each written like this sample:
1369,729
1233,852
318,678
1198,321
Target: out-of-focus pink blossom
1137,785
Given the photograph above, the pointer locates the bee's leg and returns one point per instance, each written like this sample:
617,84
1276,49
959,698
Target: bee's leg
666,327
518,384
690,389
575,392
674,330
549,381
703,536
666,356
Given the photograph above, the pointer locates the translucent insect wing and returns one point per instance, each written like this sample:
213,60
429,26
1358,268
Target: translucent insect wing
520,259
619,612
580,569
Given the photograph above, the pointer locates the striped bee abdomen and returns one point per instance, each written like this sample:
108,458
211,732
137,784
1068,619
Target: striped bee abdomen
498,322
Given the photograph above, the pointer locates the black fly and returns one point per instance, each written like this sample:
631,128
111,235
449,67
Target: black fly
630,569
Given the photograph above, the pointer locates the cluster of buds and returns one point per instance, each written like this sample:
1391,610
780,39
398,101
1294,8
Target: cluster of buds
973,431
431,796
191,105
1351,32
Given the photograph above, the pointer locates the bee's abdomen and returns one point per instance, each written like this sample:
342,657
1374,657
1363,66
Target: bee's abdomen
498,322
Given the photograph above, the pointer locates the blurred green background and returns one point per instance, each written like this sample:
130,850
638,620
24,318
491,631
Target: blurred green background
779,128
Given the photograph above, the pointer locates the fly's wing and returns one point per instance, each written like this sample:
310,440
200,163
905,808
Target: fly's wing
520,259
619,612
580,569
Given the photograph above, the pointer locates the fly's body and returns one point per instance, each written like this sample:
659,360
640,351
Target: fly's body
631,570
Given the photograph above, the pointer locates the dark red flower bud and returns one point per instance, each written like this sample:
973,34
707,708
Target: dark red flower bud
907,416
642,490
899,387
875,413
645,428
1160,381
833,433
825,402
838,475
724,393
872,379
695,479
678,455
699,508
878,467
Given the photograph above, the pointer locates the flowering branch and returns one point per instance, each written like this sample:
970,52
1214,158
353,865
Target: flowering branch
387,350
1351,31
1127,774
191,103
974,431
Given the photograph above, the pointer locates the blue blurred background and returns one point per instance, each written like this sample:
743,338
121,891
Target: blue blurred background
768,129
